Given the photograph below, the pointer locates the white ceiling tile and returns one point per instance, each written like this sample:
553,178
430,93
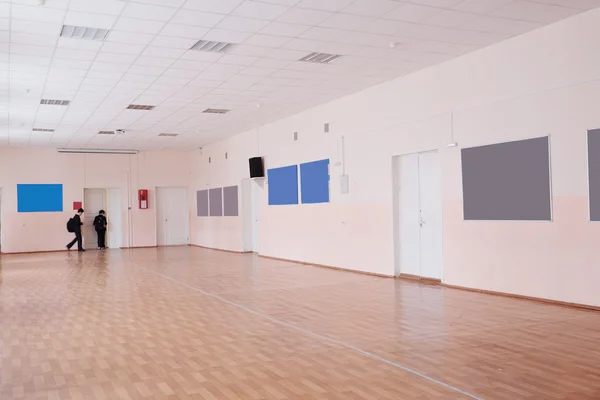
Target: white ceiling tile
30,60
154,61
163,52
111,7
242,24
145,70
215,6
449,18
272,63
72,54
130,37
479,6
184,31
330,5
412,13
180,73
499,25
138,25
347,21
149,12
122,48
78,44
250,51
90,20
534,12
437,3
37,14
222,35
284,29
285,54
304,17
371,8
258,71
110,67
190,65
237,60
201,56
266,40
260,10
171,42
197,18
74,64
39,28
107,56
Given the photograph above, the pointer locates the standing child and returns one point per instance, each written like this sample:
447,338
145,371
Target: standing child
100,224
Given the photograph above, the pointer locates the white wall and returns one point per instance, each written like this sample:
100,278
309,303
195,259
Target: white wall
546,82
28,232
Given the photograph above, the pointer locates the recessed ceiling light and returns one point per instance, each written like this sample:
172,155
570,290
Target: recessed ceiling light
42,130
83,32
55,102
320,58
215,111
141,107
106,133
168,134
211,46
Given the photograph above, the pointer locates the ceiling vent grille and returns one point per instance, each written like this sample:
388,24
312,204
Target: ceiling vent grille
140,107
55,102
320,58
82,32
211,46
215,111
42,130
168,134
106,133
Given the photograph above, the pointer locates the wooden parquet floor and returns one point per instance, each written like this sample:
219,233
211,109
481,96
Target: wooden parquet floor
187,323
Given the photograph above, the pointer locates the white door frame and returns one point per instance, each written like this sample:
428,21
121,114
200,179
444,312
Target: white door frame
396,160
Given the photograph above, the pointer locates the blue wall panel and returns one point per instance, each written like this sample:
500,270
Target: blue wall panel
314,182
39,198
283,185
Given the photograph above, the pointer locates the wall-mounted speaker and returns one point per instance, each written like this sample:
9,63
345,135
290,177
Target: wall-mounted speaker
257,169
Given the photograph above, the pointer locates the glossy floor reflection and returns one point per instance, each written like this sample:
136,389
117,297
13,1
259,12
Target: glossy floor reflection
187,323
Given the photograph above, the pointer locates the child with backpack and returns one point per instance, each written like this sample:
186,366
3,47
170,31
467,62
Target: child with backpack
74,226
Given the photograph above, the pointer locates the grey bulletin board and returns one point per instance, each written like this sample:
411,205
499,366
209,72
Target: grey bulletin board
508,181
594,173
230,201
216,202
202,203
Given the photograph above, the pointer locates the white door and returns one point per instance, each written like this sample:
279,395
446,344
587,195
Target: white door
94,200
114,215
172,216
251,192
420,215
430,199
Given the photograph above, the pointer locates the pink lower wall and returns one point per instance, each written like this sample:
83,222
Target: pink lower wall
31,232
556,260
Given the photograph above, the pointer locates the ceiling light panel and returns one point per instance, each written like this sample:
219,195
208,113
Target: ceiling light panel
106,133
42,130
140,107
320,58
55,102
211,46
82,32
168,134
215,111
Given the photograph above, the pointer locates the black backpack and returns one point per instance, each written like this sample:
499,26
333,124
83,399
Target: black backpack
70,225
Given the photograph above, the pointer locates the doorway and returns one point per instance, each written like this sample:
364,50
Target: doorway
251,196
108,200
0,220
172,216
418,215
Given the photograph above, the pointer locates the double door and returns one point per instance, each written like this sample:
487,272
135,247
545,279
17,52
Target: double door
419,215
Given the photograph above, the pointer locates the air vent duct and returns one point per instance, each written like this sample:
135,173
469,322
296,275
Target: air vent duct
55,102
83,32
320,58
215,111
140,107
211,46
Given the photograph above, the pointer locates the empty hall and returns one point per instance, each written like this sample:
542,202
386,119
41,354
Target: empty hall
299,199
